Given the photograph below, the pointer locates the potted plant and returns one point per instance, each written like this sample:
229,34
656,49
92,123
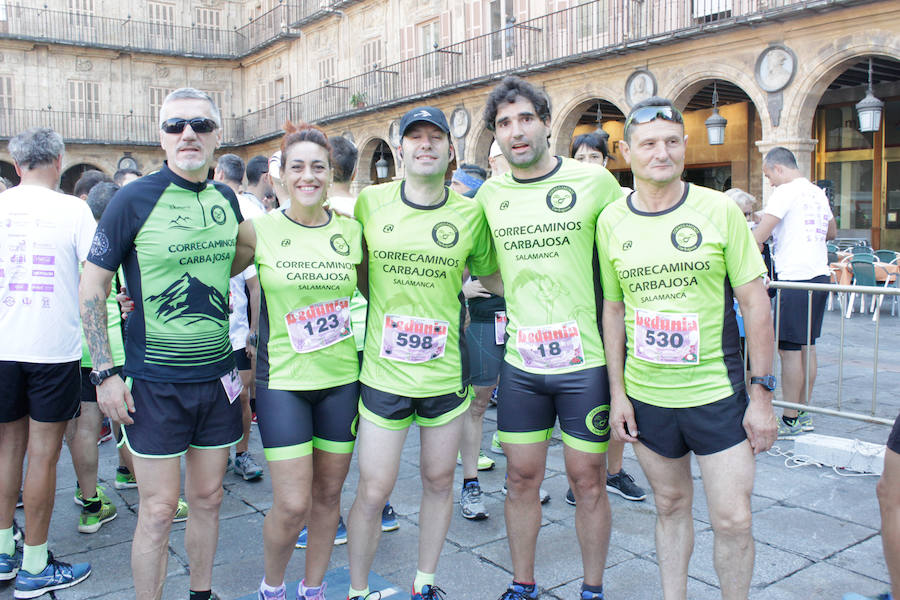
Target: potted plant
358,99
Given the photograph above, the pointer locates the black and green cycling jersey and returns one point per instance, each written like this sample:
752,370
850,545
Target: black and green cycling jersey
175,240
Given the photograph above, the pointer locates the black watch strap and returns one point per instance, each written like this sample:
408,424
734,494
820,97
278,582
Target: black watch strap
98,377
768,381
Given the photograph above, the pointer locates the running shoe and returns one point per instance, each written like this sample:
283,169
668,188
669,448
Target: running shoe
254,420
55,576
106,433
17,531
279,594
79,498
804,420
493,399
90,522
124,479
586,595
389,520
496,448
855,596
544,494
20,503
519,592
623,484
340,537
570,497
303,592
485,462
181,513
471,503
246,467
788,432
429,592
369,596
10,565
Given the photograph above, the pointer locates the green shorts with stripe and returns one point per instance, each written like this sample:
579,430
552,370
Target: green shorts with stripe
528,405
396,412
292,423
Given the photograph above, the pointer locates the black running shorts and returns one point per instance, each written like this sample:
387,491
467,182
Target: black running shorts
48,393
392,411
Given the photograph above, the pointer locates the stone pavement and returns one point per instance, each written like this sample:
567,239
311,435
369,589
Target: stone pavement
817,531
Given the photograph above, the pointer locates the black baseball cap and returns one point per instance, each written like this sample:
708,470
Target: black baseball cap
428,114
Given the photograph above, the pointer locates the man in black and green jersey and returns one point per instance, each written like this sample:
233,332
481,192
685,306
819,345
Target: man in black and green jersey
419,236
175,235
542,216
673,256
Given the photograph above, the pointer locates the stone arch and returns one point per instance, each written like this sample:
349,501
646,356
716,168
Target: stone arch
72,173
812,83
368,155
567,118
478,145
685,82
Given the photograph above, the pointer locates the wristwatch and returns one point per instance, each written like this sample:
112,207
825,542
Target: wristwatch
253,339
768,381
98,377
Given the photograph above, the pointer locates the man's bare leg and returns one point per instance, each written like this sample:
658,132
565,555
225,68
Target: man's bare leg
614,457
291,479
728,483
246,412
587,478
437,463
379,451
473,423
204,471
13,442
44,445
673,491
525,465
159,482
793,379
889,501
81,436
329,472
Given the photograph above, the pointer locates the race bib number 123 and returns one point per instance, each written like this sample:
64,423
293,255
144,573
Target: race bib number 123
319,325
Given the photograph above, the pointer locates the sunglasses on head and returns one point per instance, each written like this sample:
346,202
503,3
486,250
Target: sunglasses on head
198,125
651,113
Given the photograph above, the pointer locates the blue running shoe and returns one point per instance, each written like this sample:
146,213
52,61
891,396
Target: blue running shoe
429,592
10,565
855,596
340,538
389,520
55,576
586,595
517,591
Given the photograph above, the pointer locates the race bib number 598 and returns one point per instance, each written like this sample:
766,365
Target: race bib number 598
412,339
667,338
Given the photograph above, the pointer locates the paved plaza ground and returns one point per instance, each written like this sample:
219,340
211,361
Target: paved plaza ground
817,531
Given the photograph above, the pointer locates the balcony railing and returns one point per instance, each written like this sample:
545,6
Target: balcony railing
578,34
64,27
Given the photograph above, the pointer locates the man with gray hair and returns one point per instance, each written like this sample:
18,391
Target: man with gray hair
174,233
47,235
799,219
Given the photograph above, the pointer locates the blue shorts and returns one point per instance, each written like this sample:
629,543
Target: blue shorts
485,354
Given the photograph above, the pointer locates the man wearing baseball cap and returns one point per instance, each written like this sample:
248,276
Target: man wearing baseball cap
419,237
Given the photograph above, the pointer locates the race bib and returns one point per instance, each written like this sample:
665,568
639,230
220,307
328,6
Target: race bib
231,381
547,347
500,327
667,338
413,340
319,325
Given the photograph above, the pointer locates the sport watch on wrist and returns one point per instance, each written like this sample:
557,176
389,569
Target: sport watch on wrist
768,381
98,377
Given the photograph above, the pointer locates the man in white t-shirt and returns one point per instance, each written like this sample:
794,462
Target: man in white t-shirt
799,219
44,236
230,171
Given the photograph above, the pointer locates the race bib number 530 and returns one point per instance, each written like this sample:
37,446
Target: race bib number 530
412,339
552,346
667,338
319,325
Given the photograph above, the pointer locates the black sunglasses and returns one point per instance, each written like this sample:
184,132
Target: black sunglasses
651,113
198,125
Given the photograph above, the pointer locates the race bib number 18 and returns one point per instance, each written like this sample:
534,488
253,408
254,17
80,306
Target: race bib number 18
547,347
413,340
667,338
319,325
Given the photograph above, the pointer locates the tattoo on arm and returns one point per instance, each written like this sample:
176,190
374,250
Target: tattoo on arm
93,318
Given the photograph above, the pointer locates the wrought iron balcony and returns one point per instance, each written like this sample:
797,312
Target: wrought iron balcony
66,27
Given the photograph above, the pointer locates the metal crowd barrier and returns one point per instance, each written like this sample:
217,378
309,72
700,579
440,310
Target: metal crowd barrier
843,291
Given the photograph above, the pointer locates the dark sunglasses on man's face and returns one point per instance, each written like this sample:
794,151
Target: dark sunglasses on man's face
198,125
651,113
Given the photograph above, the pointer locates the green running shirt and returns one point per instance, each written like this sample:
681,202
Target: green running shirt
675,271
175,240
414,340
543,230
307,276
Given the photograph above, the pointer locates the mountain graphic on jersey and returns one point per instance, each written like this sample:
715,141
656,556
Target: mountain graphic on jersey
190,299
